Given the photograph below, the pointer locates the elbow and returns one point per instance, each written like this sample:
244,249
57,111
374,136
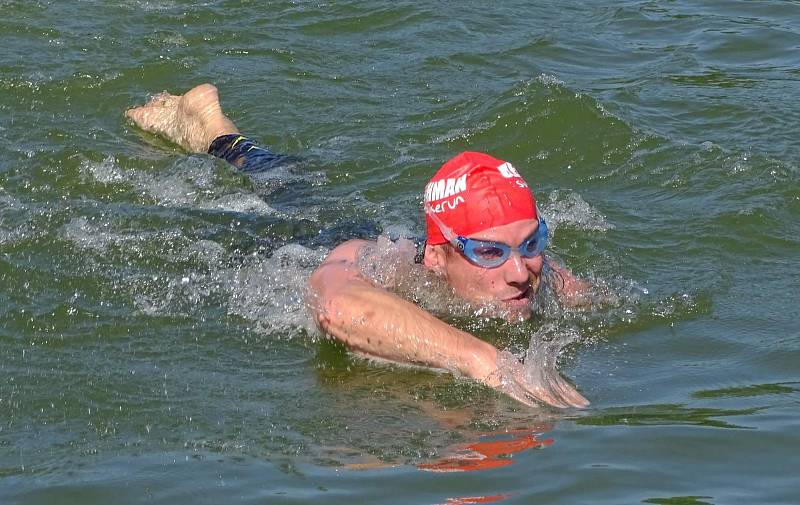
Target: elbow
342,316
316,301
327,304
340,302
329,320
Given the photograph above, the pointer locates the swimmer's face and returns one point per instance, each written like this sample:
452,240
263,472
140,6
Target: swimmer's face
509,288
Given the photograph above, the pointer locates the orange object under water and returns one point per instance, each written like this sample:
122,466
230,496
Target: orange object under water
466,500
486,455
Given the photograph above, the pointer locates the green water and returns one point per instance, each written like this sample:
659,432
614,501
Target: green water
154,346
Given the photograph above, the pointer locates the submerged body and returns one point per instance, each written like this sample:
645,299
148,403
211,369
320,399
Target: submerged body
368,316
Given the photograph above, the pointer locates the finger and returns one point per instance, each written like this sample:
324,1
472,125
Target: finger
517,393
568,393
545,395
511,379
539,390
528,396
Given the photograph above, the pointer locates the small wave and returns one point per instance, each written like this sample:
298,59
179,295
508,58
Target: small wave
147,5
463,133
12,211
285,175
549,80
88,236
271,291
167,40
106,171
7,235
8,202
99,234
192,182
570,209
239,202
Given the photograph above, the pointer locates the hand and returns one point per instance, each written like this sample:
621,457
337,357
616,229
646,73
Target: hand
529,385
571,290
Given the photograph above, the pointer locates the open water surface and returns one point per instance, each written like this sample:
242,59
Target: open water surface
154,346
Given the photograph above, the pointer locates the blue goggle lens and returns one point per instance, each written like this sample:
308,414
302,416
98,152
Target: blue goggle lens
493,254
536,243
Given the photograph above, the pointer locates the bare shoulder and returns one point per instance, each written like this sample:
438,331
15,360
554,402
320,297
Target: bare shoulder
340,265
346,252
382,263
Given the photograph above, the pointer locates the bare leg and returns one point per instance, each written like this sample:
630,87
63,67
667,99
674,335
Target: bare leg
192,120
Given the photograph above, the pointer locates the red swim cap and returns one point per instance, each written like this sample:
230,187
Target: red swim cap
473,192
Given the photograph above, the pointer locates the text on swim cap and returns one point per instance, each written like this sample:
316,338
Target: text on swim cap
507,170
445,205
445,188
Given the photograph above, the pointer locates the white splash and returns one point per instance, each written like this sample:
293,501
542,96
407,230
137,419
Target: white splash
191,182
568,208
271,291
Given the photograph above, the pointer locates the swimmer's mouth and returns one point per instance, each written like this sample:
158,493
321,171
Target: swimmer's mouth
520,299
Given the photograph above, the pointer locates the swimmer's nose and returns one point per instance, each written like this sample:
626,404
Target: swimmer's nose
515,270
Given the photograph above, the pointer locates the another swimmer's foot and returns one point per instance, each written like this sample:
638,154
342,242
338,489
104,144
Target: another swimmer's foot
192,120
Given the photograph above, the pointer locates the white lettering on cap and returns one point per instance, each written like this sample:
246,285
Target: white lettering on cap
507,170
445,188
446,205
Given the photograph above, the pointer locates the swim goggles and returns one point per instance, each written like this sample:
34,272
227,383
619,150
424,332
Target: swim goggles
490,254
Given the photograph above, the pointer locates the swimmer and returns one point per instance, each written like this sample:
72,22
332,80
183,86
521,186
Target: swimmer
485,238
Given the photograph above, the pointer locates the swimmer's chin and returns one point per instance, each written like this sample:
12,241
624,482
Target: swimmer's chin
514,310
518,313
510,314
515,307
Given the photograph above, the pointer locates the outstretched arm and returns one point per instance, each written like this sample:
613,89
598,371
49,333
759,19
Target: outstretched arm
371,320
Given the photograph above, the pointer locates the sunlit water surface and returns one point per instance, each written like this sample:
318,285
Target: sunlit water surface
154,343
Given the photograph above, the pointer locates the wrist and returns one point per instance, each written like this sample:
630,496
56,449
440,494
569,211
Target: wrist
481,361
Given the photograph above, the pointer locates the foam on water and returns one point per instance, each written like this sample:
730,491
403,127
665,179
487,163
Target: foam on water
549,80
569,208
14,218
271,291
147,5
106,171
98,234
192,182
238,202
199,275
463,133
7,203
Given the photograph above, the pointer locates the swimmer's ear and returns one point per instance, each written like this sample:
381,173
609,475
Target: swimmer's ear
435,258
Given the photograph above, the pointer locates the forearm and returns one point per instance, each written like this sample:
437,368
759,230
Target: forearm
375,322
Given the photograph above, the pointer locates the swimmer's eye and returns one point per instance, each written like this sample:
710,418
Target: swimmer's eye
488,252
535,244
531,247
